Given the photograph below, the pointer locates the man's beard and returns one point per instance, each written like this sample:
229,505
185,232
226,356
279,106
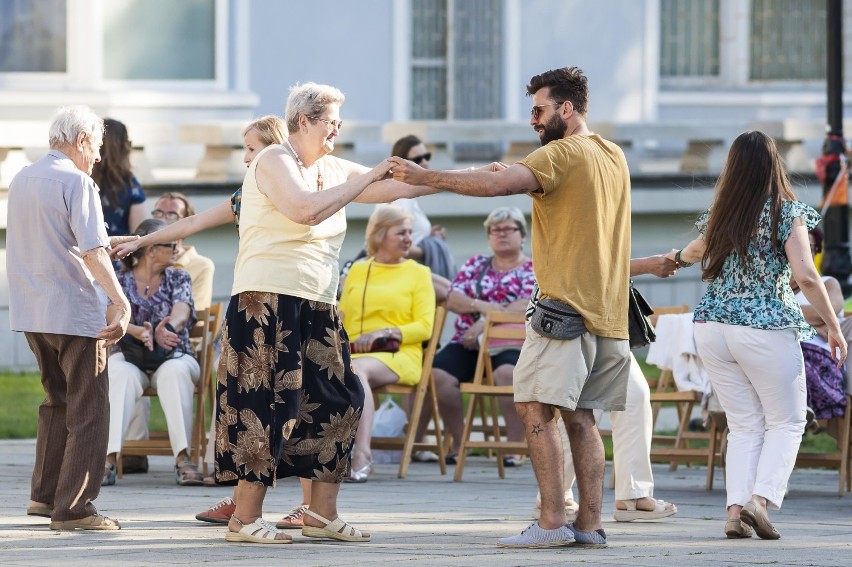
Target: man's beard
554,129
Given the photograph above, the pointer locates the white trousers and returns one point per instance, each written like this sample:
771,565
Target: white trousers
759,376
631,442
175,382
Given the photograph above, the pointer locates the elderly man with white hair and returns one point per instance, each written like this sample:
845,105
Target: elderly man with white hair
64,295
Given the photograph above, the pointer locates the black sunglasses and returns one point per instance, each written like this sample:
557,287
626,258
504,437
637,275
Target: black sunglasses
173,246
427,156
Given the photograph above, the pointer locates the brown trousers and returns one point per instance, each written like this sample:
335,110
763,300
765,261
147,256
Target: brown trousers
73,423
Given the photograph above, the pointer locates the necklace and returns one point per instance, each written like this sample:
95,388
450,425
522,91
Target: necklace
302,167
154,282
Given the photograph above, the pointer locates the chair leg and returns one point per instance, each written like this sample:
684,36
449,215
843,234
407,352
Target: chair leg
439,430
468,423
408,446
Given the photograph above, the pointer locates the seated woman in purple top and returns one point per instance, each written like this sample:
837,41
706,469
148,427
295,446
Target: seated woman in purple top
162,312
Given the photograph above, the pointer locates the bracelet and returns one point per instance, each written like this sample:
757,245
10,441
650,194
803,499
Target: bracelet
680,262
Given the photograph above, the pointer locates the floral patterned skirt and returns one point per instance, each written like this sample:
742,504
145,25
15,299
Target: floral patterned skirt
826,384
288,400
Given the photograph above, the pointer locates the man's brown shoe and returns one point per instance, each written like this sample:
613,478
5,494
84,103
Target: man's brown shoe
39,509
93,522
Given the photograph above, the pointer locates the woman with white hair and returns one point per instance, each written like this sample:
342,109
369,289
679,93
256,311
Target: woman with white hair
501,281
386,297
288,400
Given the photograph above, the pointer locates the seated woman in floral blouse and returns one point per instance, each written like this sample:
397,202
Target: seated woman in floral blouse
502,281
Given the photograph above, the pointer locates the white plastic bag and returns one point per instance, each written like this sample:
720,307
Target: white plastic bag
389,421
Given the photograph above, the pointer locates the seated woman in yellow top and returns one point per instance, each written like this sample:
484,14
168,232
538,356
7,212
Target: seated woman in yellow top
385,297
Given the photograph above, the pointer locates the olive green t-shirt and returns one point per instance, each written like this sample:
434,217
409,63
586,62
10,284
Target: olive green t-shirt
581,229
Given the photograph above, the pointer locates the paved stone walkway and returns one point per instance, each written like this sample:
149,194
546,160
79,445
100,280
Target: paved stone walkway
425,519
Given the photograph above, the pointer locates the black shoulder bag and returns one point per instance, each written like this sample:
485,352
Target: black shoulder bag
641,330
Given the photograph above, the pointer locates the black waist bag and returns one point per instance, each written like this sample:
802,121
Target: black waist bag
556,320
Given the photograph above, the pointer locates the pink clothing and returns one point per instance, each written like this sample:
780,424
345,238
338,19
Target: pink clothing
493,286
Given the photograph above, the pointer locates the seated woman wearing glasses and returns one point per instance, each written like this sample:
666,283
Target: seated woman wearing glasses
162,312
430,246
385,297
502,281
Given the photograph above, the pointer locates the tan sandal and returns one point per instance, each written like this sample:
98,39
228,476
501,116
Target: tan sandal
259,531
337,529
187,474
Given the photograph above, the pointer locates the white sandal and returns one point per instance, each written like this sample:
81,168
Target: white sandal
661,510
337,529
259,531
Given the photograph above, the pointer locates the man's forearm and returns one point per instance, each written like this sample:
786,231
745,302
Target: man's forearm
98,262
471,183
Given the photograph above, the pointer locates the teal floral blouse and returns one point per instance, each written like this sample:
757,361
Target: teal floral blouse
759,295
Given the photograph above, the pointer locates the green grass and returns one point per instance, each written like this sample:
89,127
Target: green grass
20,396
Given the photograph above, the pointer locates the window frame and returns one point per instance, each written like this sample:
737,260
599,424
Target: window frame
84,69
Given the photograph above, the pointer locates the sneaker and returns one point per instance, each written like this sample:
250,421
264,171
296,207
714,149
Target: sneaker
596,538
93,522
293,520
424,457
110,474
536,536
218,513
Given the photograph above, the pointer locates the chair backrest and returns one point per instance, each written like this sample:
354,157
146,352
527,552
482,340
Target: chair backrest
434,340
203,334
668,310
501,327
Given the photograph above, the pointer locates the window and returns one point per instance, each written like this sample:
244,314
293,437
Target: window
734,43
456,59
787,40
160,40
33,36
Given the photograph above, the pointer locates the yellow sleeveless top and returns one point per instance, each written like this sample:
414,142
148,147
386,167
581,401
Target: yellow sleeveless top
278,255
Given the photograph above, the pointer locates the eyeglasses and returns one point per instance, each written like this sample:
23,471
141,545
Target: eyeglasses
335,124
427,156
535,111
170,216
173,246
501,230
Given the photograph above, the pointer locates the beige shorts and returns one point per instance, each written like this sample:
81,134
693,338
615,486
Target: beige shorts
587,372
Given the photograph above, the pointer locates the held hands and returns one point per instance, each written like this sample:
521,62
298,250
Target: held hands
406,171
670,255
116,240
117,319
164,337
382,170
663,266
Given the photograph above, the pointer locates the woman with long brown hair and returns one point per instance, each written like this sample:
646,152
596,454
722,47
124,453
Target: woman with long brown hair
122,198
748,324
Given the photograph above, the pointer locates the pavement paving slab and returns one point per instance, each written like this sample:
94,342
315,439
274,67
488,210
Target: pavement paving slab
425,519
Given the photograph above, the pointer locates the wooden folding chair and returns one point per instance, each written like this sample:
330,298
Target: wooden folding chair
676,447
423,389
482,390
839,459
201,336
